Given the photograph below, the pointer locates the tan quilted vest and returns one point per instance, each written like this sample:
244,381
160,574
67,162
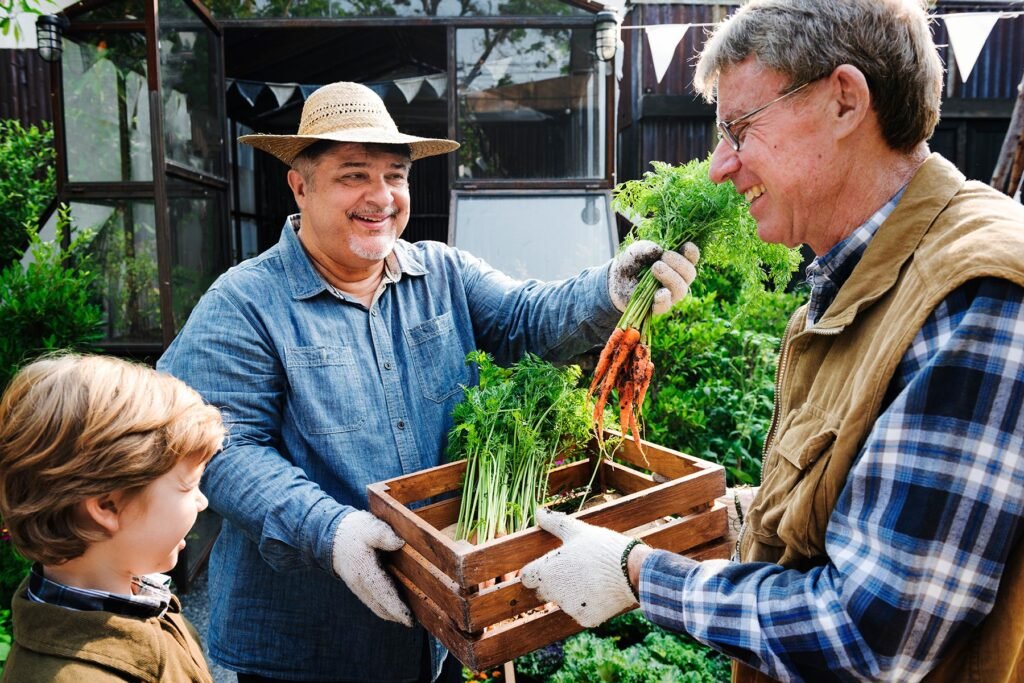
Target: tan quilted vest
833,378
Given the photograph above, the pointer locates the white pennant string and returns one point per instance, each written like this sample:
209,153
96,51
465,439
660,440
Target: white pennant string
497,68
283,91
439,83
663,41
410,87
967,35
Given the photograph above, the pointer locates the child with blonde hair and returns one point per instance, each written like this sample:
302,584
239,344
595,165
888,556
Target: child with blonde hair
100,461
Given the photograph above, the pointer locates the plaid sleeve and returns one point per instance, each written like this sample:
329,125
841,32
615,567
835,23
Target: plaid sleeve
919,536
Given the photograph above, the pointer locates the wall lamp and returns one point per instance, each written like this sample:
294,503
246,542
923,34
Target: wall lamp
606,35
49,35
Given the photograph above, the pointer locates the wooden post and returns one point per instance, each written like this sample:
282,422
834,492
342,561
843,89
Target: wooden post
508,673
1010,166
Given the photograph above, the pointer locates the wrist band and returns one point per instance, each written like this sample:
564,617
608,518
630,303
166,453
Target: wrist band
624,563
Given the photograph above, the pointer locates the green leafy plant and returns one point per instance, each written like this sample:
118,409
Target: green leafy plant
511,428
717,354
27,183
13,568
48,304
9,10
671,206
6,637
626,649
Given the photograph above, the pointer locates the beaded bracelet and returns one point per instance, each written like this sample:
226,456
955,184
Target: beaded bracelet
624,563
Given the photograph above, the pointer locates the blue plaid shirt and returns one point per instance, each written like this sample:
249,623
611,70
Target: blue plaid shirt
151,598
921,532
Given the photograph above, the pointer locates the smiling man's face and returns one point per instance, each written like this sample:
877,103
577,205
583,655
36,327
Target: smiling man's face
355,204
787,165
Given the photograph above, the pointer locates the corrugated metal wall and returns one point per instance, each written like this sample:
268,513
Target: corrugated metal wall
663,121
24,87
666,121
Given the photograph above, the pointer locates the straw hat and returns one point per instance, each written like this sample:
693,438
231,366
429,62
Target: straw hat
345,112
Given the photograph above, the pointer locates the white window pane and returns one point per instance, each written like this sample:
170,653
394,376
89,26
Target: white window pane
547,237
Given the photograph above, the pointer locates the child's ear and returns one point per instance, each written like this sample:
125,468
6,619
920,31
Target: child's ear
104,511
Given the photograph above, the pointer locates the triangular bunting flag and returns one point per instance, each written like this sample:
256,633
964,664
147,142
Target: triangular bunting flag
497,68
410,87
439,83
283,91
249,91
663,41
967,35
307,90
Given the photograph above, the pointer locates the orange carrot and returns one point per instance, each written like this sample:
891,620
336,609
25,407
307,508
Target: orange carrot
630,338
605,360
634,428
626,417
644,383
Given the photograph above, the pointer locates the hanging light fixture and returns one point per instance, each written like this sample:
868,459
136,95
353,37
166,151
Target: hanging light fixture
606,35
49,35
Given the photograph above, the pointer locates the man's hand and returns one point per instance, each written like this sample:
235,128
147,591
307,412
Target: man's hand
674,270
356,542
584,577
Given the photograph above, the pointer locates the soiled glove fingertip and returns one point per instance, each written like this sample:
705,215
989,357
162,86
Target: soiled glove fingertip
691,252
391,543
529,576
662,302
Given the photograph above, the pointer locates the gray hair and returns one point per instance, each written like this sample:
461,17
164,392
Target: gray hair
888,40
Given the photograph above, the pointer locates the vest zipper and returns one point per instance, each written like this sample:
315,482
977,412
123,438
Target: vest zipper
779,372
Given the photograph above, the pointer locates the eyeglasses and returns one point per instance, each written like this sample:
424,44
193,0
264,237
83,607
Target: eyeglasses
733,137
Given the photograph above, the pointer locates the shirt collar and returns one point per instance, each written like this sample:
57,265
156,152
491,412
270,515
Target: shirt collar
152,598
827,273
304,279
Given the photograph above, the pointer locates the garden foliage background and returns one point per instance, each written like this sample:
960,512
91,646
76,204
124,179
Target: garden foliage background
712,394
48,302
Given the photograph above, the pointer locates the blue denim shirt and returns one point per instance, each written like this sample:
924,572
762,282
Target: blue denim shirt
323,397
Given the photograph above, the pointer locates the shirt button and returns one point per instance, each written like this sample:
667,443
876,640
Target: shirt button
374,313
401,424
387,365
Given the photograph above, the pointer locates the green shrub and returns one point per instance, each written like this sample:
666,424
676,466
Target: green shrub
49,304
714,383
13,568
27,183
625,649
6,637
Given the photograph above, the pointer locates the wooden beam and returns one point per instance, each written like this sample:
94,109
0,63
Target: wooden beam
674,106
1010,165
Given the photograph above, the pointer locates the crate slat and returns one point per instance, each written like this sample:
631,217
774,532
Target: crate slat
469,595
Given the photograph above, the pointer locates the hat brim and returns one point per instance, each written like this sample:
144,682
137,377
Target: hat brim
287,147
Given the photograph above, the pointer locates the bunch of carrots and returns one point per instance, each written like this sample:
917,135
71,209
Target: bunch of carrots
625,365
673,205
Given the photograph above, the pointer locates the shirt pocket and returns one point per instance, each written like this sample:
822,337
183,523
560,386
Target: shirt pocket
326,395
439,357
796,496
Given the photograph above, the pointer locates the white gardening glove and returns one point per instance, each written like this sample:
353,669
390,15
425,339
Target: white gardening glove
672,269
584,577
356,542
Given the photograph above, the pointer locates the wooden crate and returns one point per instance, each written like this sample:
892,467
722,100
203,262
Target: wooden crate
455,588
